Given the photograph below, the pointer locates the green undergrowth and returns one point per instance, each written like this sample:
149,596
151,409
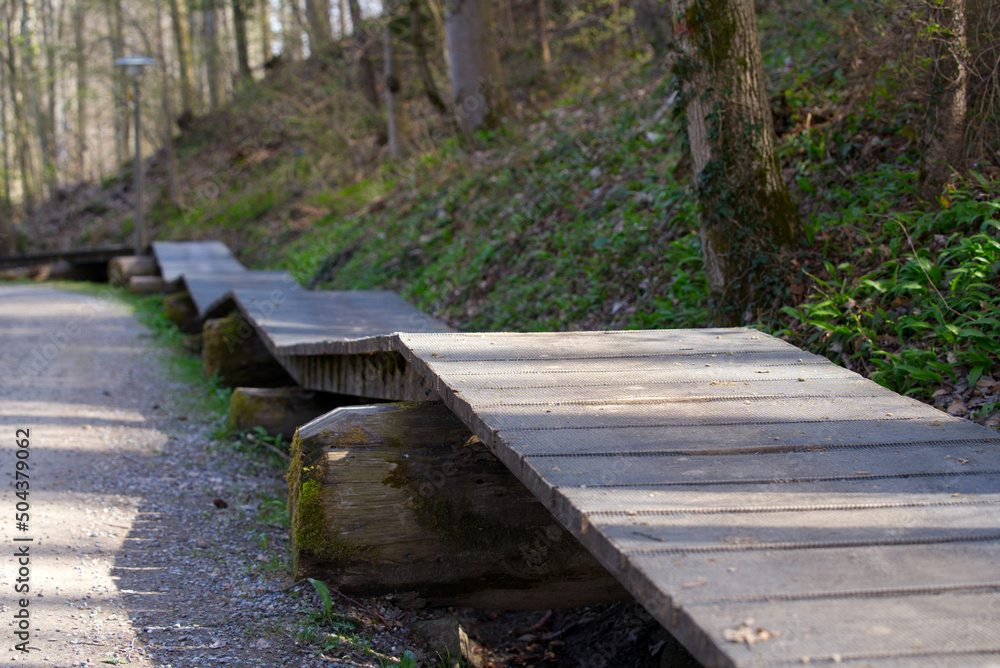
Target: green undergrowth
909,298
572,220
579,213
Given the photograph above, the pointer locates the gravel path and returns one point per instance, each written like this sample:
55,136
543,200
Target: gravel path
131,560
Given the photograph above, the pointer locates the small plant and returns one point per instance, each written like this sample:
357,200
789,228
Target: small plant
324,595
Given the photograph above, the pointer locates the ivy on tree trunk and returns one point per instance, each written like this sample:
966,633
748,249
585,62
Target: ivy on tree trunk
747,216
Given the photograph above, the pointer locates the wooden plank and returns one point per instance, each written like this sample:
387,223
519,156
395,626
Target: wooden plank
822,574
379,375
592,345
181,258
773,493
861,631
301,322
212,292
767,437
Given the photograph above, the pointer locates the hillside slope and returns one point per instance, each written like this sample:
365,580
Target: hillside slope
579,214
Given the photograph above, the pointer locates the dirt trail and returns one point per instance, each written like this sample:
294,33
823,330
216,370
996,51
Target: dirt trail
131,562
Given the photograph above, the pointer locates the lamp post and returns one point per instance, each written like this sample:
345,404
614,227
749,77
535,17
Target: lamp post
133,67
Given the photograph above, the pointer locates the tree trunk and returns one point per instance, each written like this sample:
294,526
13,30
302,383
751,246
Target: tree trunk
47,119
342,14
292,23
542,36
747,216
366,69
403,498
80,60
399,130
213,57
653,19
121,107
182,46
423,64
242,44
264,19
943,140
478,90
168,116
7,204
318,25
32,88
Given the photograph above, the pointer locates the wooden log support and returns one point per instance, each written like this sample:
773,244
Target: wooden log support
179,308
402,498
232,348
280,410
145,285
121,269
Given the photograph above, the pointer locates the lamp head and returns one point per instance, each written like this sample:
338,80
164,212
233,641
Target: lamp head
133,65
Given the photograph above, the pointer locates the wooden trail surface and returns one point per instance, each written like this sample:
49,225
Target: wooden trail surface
765,505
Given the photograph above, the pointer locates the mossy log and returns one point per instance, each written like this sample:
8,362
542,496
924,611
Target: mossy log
403,498
179,308
145,285
232,348
123,268
280,410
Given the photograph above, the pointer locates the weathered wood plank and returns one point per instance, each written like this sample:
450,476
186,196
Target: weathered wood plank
710,493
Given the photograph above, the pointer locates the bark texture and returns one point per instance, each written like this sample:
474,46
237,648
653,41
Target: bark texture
365,67
480,95
746,213
182,46
398,126
943,140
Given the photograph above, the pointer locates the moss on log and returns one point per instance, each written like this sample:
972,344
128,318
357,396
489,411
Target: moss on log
232,348
398,498
123,268
179,308
280,410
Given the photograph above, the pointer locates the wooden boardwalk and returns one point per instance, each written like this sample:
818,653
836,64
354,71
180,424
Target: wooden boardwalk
766,506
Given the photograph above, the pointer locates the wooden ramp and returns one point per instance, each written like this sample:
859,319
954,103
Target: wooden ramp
766,506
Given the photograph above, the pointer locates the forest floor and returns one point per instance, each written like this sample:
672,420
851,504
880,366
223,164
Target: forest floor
155,544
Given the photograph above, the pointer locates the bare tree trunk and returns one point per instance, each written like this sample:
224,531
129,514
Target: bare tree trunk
477,85
653,19
423,65
292,38
32,87
342,12
21,145
242,44
213,59
182,45
542,35
365,66
5,128
47,120
120,110
747,215
264,18
318,25
399,130
943,140
80,60
8,242
168,116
